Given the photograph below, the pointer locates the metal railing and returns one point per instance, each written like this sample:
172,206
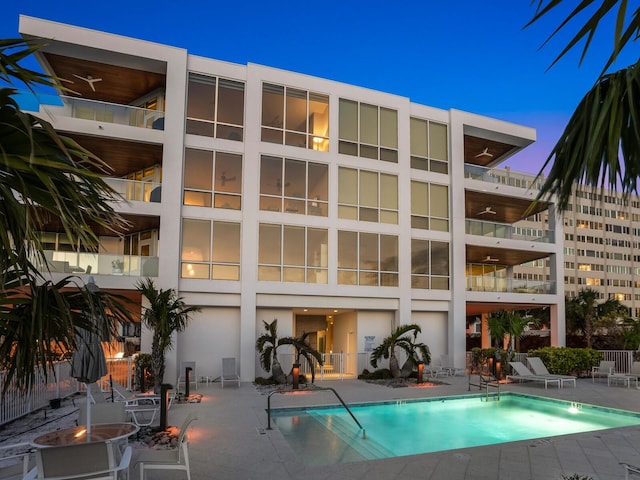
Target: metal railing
502,176
503,230
135,190
100,263
336,366
485,283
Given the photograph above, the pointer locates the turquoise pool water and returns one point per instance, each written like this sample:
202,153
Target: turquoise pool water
322,436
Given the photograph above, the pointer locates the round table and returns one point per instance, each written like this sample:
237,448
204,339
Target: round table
74,435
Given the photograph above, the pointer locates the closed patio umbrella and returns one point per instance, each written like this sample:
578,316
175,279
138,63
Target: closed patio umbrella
88,364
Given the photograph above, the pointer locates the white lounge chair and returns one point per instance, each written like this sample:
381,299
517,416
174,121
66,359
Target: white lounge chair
174,459
446,364
605,369
630,470
524,374
539,368
229,371
103,413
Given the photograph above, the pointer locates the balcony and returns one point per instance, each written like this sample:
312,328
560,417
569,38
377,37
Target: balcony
485,283
501,230
502,176
136,190
109,112
100,264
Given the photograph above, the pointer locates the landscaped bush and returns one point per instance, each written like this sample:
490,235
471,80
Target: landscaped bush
381,374
568,361
143,373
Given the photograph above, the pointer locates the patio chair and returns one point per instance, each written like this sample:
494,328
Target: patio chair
446,364
605,369
174,459
539,368
103,413
95,460
630,470
229,371
524,374
15,464
193,377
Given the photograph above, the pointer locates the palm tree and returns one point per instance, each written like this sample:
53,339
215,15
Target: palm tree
404,338
43,175
166,314
584,313
304,349
267,345
601,142
506,323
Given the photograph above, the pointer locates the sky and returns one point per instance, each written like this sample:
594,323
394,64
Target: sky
464,54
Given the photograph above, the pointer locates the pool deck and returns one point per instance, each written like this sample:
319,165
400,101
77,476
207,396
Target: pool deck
230,440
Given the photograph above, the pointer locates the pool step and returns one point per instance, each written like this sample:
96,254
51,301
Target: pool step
347,431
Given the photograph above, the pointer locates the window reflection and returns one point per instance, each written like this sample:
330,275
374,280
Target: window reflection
201,189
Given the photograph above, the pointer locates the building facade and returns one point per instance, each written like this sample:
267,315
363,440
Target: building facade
261,194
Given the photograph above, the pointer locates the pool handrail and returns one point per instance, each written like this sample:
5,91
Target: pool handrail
364,433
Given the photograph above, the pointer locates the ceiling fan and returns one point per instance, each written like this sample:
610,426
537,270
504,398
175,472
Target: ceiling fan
279,184
484,153
489,258
487,210
90,80
224,179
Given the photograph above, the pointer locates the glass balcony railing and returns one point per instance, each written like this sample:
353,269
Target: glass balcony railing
109,112
135,190
502,230
100,264
485,283
502,176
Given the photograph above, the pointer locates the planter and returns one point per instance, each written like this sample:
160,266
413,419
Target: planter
55,403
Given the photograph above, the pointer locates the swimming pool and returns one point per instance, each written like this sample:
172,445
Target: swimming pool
328,435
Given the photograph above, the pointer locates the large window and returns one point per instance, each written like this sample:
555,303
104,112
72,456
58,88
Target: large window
367,196
367,259
292,254
295,117
429,206
212,179
215,107
368,131
429,150
429,264
210,250
293,186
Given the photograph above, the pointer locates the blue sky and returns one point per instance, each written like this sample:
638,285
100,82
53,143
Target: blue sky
463,54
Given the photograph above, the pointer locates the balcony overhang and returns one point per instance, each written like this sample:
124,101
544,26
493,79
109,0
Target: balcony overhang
504,257
507,209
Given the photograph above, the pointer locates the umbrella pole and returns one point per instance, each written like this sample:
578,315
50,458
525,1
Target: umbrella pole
88,413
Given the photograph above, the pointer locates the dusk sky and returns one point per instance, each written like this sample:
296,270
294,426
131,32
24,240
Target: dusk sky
465,54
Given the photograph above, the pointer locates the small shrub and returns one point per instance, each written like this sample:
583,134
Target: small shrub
381,374
576,476
568,361
264,381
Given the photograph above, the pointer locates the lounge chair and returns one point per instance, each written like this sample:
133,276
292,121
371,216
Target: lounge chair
103,413
524,374
193,377
605,369
446,364
229,371
174,459
539,368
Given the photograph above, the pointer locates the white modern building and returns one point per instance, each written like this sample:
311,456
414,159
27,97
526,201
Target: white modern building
262,194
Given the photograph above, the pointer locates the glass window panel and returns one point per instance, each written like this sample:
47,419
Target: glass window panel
195,270
347,249
272,136
232,202
295,139
197,199
439,167
387,155
317,276
318,181
348,121
348,213
368,214
317,247
319,115
296,110
420,222
369,251
204,129
439,283
269,274
271,204
295,175
201,97
230,102
438,141
368,278
228,172
419,137
271,175
317,208
419,198
439,258
226,242
347,185
419,256
388,253
388,191
196,240
294,246
439,196
369,124
387,216
294,206
367,151
419,163
348,148
389,279
388,128
230,133
225,272
347,277
293,274
439,225
272,105
198,169
368,188
269,244
419,282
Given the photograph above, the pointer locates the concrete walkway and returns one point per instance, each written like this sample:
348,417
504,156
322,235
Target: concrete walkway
230,440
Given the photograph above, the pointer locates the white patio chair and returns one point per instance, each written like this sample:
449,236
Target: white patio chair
229,371
539,368
16,463
605,369
446,364
103,413
174,459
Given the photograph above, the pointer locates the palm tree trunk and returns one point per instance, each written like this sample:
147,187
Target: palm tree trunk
157,363
394,366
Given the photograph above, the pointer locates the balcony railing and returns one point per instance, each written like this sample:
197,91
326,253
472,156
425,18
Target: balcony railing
135,190
503,230
101,264
110,113
503,176
485,283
